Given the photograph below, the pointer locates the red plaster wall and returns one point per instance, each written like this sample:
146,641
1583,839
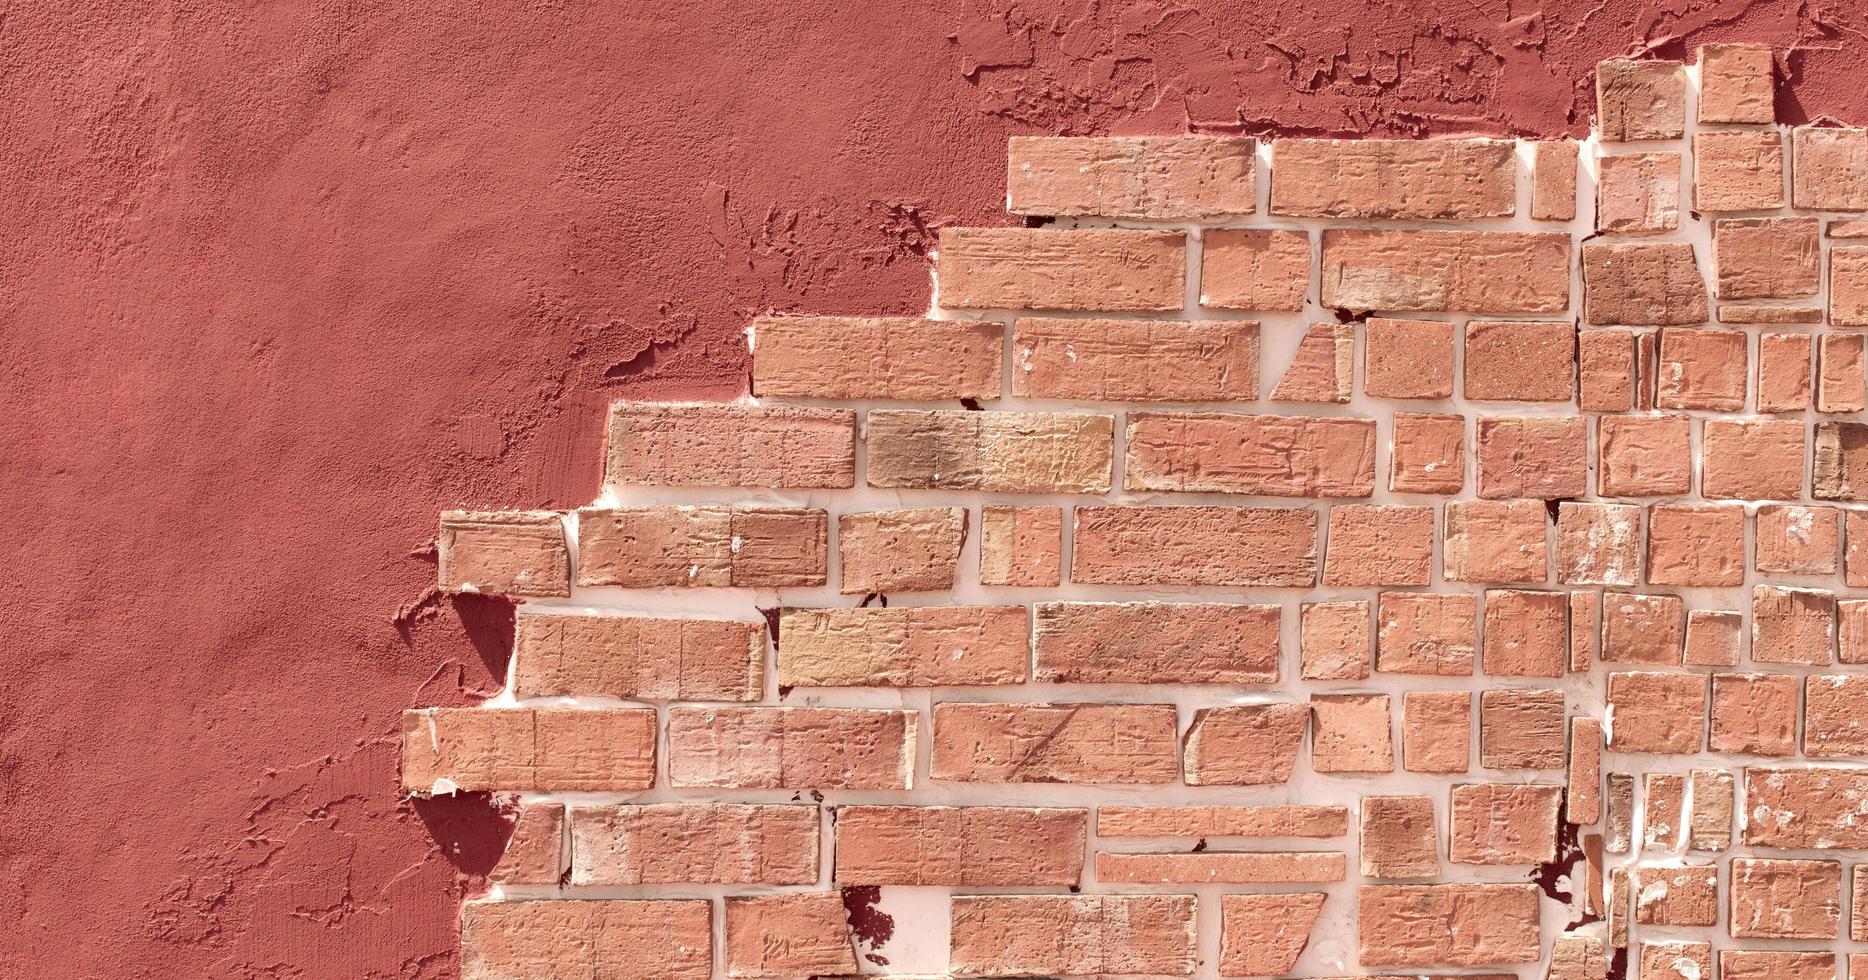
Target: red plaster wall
280,284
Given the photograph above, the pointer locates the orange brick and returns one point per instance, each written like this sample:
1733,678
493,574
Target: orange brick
1426,633
1598,544
1245,744
1055,743
1644,455
1521,729
791,748
1408,359
1797,540
1428,454
1785,899
1520,361
445,750
1266,455
915,550
518,553
1754,714
1582,803
1639,283
1103,270
1526,633
1840,373
1663,798
1848,286
1134,360
1372,178
789,935
1021,546
1809,807
1222,821
1714,793
1767,258
975,846
1638,193
1702,368
1155,643
1676,895
1792,626
1143,178
930,646
1484,272
851,357
627,940
1738,170
1605,369
1254,269
1713,638
709,546
1264,935
1499,823
1640,100
1769,313
1752,459
1236,546
1852,631
1436,731
1696,545
694,843
1783,372
1835,715
1448,925
1657,713
1351,733
1642,629
1399,838
1324,367
1772,964
1072,935
1334,640
1533,456
1575,956
1827,169
535,852
1585,629
1553,180
996,452
1378,545
638,657
1840,468
731,446
1735,84
1219,867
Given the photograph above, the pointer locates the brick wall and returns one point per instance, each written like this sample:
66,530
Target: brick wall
1296,558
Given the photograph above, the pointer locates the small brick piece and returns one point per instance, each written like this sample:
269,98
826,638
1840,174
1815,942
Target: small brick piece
1663,796
1102,270
851,357
1526,633
1638,194
1642,629
638,657
1264,935
1399,838
446,750
1408,359
1021,546
1436,731
1840,373
1772,964
1533,456
1255,269
1138,178
1754,714
1848,286
1702,368
1585,629
1840,468
1334,641
1324,368
1598,544
1709,828
1767,258
1835,715
1520,361
1426,633
1072,935
624,940
1785,899
1496,541
1055,743
914,550
1752,459
1805,808
1783,372
1483,272
1351,733
1267,455
1154,643
1644,456
1675,960
929,646
1713,638
1657,713
1696,545
1852,631
1761,313
731,446
1582,803
517,553
1618,822
1134,360
792,748
1828,165
1521,729
1574,956
1605,369
1222,821
694,843
1793,626
996,452
1647,358
1738,170
1640,100
1676,895
973,846
1797,540
1640,283
1450,925
702,547
1378,545
535,852
1409,179
1553,180
789,935
1499,823
1858,908
1224,868
1428,454
1227,546
1735,83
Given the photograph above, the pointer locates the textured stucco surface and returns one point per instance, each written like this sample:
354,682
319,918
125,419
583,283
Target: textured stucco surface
281,283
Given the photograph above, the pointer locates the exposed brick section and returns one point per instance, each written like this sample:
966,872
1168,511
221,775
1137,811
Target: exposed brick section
535,854
1244,745
1436,729
1798,540
1701,545
902,647
514,749
1605,369
1840,371
1533,456
1134,360
1785,899
1378,545
1520,361
1105,270
1783,372
998,452
1399,838
1738,170
1444,179
1521,729
1407,358
1351,733
791,748
1263,935
902,358
1142,178
1448,925
1735,83
1763,964
1254,269
652,658
1055,743
1154,643
1553,180
1267,455
1638,194
1829,164
628,940
518,553
1642,629
1752,459
1334,640
1526,633
1848,286
1597,544
1500,823
1304,867
1455,271
1324,367
1073,935
709,546
1428,454
901,550
694,843
1640,100
1754,714
1644,455
1426,633
804,933
1229,546
1222,821
1657,713
1766,258
975,846
1021,546
1701,368
1805,808
731,446
1642,283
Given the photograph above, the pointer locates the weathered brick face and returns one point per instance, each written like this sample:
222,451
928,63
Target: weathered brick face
1302,557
